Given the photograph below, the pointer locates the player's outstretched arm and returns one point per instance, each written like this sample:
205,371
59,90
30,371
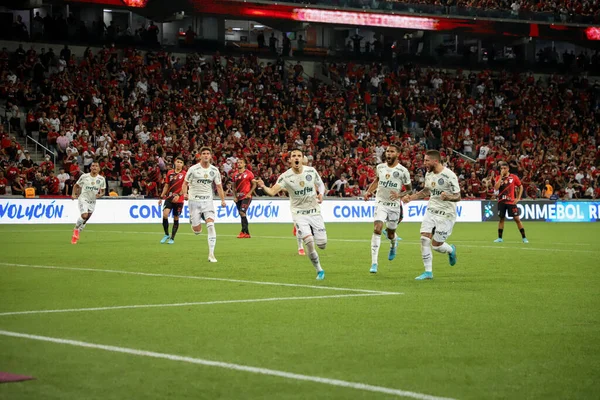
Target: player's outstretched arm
400,195
271,191
416,196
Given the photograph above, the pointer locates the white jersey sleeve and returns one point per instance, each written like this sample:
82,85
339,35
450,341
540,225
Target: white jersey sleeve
200,181
445,181
302,189
391,179
90,186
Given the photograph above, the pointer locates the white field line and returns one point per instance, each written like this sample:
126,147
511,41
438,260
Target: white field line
198,303
340,240
204,278
230,366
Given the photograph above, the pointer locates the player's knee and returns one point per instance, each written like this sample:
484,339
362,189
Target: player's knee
436,248
176,218
321,243
425,241
242,214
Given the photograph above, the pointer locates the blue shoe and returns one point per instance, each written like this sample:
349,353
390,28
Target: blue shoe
320,275
171,241
373,269
424,276
392,254
164,239
452,256
499,240
525,240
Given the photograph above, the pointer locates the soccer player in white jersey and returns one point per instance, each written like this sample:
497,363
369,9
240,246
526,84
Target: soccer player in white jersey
198,190
441,186
88,188
391,176
320,189
301,183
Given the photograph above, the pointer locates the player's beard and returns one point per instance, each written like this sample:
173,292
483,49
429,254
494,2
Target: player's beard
391,160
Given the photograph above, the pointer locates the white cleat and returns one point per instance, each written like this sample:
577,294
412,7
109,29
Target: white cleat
212,258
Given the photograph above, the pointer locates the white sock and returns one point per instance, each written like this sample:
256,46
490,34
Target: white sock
426,253
79,223
312,253
212,237
375,243
82,226
299,239
445,248
394,242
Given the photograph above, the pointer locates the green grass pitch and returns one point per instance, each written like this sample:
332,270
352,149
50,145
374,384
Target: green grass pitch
509,321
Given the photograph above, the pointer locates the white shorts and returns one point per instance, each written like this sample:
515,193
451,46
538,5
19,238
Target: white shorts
443,226
304,223
388,214
86,206
198,209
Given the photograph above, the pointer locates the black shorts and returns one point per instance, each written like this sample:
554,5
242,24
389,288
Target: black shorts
243,204
511,209
175,207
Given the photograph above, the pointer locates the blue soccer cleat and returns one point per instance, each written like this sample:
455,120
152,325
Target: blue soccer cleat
320,275
171,241
452,256
499,240
424,276
392,254
164,239
525,240
373,269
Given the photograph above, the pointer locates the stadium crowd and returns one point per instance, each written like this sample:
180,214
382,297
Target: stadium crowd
135,112
565,10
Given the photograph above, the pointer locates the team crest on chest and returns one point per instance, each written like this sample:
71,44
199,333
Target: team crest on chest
308,178
387,176
212,173
432,184
440,181
396,174
97,181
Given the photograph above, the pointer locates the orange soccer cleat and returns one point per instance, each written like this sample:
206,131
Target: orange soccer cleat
301,252
75,236
247,236
242,235
295,230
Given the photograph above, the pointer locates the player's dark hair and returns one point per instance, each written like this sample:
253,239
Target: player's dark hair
205,148
434,154
395,146
180,158
503,164
300,150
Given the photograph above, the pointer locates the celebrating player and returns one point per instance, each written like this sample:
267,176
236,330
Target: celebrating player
390,178
199,181
89,187
243,186
173,198
505,185
441,186
301,183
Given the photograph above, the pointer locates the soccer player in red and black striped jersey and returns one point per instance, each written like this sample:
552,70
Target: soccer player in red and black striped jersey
173,198
243,186
506,183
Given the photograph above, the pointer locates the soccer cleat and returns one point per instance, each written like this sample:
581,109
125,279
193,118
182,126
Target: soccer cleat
320,275
499,240
452,256
164,239
241,235
392,254
301,252
73,240
247,236
76,233
211,258
171,241
373,269
424,276
295,231
525,240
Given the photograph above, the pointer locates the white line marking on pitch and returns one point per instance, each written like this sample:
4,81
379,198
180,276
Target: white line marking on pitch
198,303
230,366
204,278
